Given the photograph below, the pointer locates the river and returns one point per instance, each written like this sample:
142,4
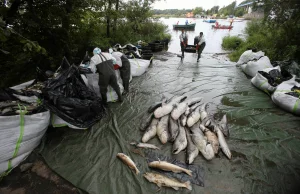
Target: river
213,37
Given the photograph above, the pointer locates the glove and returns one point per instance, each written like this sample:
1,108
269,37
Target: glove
116,67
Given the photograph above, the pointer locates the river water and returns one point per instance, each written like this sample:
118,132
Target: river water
213,37
264,140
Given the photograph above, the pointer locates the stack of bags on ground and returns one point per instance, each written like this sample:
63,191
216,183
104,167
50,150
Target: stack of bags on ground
24,122
275,81
188,126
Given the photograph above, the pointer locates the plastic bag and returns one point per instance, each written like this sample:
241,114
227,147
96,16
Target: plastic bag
19,135
282,96
138,66
249,55
56,121
268,79
111,94
69,98
252,67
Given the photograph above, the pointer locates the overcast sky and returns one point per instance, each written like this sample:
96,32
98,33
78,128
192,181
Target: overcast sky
190,4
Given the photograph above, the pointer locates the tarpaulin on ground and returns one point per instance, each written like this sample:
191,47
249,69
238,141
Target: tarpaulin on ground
69,98
264,139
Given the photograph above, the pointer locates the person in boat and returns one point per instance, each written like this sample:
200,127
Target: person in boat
217,24
186,22
103,63
183,41
177,22
231,21
200,44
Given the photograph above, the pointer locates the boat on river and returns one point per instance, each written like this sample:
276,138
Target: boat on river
185,26
209,21
222,27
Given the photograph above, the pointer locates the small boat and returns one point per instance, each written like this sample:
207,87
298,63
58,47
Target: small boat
222,27
209,21
190,49
185,26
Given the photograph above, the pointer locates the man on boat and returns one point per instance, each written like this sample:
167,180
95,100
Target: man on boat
183,42
200,44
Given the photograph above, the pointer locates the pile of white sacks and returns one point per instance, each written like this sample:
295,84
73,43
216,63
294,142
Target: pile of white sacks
252,62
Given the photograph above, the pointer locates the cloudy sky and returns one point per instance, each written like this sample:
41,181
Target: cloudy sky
190,4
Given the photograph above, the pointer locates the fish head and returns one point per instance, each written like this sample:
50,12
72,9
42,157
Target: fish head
192,157
149,176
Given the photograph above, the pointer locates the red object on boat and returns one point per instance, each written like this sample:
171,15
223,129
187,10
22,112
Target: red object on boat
222,27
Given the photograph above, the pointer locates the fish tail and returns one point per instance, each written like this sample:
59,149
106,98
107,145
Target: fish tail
188,185
137,171
189,172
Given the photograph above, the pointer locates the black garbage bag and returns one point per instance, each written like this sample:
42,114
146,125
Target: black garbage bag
198,171
289,66
69,98
275,77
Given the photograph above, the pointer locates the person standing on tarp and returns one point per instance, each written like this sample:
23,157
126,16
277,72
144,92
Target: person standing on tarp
104,64
183,42
200,44
124,68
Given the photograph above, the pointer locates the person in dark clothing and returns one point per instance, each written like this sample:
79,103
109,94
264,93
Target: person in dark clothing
107,76
125,72
200,44
183,42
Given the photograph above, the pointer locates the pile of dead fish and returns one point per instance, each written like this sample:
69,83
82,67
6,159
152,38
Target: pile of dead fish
188,125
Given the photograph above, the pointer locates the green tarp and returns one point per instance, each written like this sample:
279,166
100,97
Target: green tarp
264,139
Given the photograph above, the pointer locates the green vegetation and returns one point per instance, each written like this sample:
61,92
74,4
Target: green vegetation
39,33
231,42
277,36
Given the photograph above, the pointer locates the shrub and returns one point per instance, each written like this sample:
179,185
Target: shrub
231,42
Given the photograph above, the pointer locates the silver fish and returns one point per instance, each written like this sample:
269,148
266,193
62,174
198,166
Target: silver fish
145,121
181,141
193,101
161,180
192,151
203,111
162,129
196,127
128,162
223,126
183,119
173,129
167,108
193,118
154,106
201,143
179,110
166,166
145,145
151,131
223,145
211,138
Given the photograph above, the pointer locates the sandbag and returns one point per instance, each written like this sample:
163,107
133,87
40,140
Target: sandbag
249,55
111,94
252,67
287,96
19,135
268,79
56,121
138,66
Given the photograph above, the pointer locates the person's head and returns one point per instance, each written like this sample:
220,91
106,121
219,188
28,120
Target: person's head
201,34
182,31
96,51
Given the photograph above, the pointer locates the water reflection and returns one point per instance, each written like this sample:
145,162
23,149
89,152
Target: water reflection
213,36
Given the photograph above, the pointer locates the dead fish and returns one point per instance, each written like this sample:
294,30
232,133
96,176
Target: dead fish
223,126
161,180
201,143
203,111
151,131
5,104
166,166
209,122
196,126
193,101
167,108
146,121
192,151
191,109
138,151
179,110
128,162
154,106
211,138
223,145
193,118
162,129
183,119
173,129
145,145
180,142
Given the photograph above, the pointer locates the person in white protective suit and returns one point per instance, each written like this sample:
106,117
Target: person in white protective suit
103,63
